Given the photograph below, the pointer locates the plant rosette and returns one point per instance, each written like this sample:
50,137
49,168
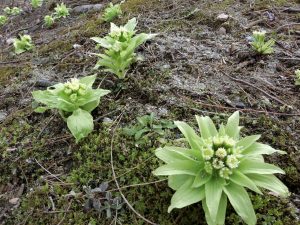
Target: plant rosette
75,101
217,167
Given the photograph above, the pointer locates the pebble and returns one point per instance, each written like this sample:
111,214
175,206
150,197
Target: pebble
222,31
3,115
222,17
14,201
87,8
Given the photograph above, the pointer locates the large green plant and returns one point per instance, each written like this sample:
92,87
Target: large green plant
112,12
75,101
120,45
217,167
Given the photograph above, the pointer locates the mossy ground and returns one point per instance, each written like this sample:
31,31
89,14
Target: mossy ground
37,151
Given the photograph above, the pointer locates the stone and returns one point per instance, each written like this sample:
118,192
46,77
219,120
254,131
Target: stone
87,8
222,17
14,201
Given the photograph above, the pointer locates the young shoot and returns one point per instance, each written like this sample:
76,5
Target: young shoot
61,11
112,12
3,20
216,168
36,3
75,100
23,44
12,11
297,77
259,43
120,45
49,20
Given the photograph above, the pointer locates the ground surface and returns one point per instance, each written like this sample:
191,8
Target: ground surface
196,65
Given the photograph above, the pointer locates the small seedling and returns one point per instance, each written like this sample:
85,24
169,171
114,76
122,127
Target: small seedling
3,20
217,167
148,124
36,3
297,77
61,11
75,101
23,44
112,12
49,21
12,11
259,43
101,200
120,45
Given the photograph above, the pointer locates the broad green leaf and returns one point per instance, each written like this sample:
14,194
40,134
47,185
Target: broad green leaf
170,154
242,180
240,201
201,178
259,148
186,195
220,214
102,42
207,127
232,126
193,139
176,181
139,134
248,141
269,182
222,131
88,80
251,166
213,193
131,24
80,124
183,167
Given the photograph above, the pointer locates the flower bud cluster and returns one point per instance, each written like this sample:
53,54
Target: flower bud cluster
74,89
221,156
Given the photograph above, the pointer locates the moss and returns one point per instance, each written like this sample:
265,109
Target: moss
57,46
134,6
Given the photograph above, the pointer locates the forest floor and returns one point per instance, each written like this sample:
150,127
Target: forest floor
198,64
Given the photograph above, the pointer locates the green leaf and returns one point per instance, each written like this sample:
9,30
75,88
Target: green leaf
176,181
193,139
131,24
251,166
183,167
200,179
88,80
170,154
221,211
41,109
259,148
186,195
270,182
240,201
232,127
213,193
206,126
242,180
248,141
80,124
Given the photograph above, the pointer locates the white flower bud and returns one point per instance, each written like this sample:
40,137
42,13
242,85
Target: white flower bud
221,153
217,164
232,161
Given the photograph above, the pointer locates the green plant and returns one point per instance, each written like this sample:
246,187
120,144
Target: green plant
49,20
218,166
61,11
75,100
12,11
120,45
297,77
3,20
148,124
23,44
36,3
112,12
259,43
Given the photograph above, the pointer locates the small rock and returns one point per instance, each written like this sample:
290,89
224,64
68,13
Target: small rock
107,120
240,105
3,115
10,41
222,17
162,112
43,83
87,8
14,201
222,31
